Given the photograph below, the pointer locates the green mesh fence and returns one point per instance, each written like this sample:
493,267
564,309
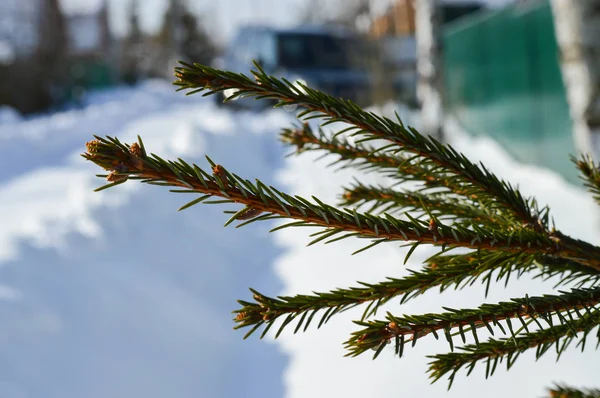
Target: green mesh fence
503,79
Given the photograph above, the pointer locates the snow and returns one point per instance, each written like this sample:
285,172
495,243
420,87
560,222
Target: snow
7,53
117,294
325,267
8,115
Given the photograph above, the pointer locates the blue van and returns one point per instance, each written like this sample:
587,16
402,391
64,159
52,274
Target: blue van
327,59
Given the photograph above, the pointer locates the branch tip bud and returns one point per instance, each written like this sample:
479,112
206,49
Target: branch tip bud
240,316
113,176
92,146
433,226
219,172
136,150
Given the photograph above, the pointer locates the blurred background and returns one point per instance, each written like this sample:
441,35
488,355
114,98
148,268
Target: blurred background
115,294
54,51
498,59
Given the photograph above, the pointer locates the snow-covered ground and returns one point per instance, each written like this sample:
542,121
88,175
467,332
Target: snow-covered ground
117,294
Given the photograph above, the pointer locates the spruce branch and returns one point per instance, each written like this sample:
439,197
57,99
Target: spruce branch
588,254
261,203
412,327
270,203
456,204
419,204
450,200
464,269
386,160
563,391
494,351
568,272
490,190
367,125
590,174
475,264
444,271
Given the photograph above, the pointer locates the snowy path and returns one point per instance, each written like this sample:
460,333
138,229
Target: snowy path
117,294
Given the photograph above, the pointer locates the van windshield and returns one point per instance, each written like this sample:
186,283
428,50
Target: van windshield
300,51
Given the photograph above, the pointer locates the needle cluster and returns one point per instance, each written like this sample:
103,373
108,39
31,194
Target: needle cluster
437,197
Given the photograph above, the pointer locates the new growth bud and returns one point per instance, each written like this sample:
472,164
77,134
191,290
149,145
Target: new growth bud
219,172
115,177
136,150
92,146
433,226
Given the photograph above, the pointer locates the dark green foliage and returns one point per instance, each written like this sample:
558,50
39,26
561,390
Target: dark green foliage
560,391
590,174
452,203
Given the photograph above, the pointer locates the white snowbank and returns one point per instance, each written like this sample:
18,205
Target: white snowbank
116,293
9,115
7,53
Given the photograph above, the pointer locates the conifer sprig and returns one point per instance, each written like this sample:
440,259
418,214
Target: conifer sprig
444,271
456,204
419,204
389,163
568,272
494,351
270,203
590,174
563,391
565,308
439,194
266,310
367,125
387,160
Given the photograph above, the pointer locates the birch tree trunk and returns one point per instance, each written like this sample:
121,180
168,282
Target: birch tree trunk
577,27
429,85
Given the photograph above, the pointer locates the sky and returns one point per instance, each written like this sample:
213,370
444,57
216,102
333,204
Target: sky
224,16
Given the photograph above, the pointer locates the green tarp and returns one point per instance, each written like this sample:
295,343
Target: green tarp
502,78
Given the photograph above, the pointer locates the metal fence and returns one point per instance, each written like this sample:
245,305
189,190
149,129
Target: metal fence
502,78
